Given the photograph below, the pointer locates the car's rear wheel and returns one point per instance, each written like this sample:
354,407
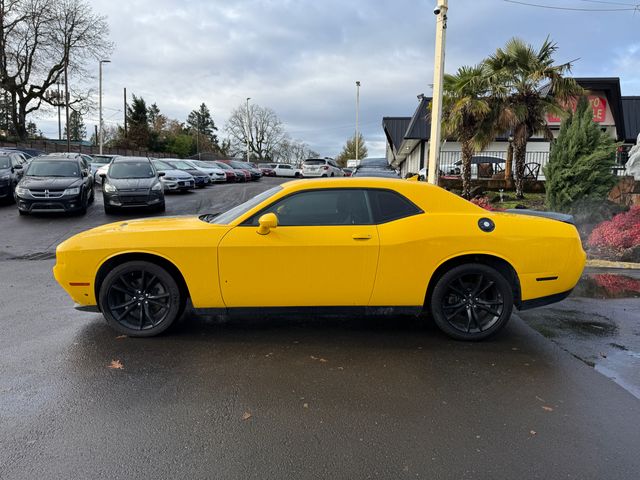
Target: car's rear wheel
140,299
471,302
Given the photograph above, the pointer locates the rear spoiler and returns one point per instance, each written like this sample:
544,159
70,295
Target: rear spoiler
561,217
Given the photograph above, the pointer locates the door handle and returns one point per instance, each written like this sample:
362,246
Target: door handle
357,236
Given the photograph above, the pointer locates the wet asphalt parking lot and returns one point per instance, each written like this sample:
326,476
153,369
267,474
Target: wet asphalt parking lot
299,398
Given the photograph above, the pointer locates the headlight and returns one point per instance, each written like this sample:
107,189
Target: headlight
5,177
157,186
72,191
169,179
109,188
21,191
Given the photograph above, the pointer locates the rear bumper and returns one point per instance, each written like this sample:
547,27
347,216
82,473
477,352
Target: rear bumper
542,301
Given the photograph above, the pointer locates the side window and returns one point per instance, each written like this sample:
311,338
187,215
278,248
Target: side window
320,208
286,167
388,206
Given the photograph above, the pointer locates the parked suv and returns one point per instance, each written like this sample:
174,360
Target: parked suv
55,184
12,165
321,167
132,182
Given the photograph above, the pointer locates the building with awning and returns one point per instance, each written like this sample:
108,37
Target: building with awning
407,138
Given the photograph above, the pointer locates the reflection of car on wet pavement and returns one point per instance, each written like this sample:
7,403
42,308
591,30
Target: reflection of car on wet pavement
371,245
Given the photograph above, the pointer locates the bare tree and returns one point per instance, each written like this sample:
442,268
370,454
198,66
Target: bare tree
261,126
38,40
293,151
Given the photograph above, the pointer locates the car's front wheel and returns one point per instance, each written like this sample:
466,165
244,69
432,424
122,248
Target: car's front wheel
471,302
140,299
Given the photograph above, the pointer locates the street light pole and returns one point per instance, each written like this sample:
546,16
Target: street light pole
357,138
436,102
101,128
248,127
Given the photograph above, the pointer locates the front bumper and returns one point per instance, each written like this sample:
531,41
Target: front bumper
178,184
65,203
125,199
5,190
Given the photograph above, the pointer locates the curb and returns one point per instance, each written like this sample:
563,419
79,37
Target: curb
594,263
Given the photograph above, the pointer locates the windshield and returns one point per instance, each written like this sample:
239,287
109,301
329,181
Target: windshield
53,168
230,215
101,160
181,165
238,165
315,162
131,170
5,162
162,166
222,165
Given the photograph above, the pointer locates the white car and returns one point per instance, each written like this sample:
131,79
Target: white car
321,167
285,170
216,174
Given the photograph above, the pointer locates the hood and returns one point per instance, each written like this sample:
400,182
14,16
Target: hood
133,183
50,183
195,173
185,222
177,174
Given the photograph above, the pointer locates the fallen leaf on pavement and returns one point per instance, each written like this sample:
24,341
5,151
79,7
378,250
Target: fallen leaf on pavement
246,416
120,337
548,409
323,360
305,405
533,432
115,365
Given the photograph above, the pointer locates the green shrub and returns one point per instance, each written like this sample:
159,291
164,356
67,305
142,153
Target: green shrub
580,162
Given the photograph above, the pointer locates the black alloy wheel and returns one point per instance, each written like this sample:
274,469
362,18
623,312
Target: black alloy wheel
472,302
140,299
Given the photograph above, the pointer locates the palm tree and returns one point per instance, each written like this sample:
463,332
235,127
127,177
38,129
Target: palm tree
467,108
518,72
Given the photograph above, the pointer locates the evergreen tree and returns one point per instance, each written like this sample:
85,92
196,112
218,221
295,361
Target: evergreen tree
138,121
32,130
349,150
580,162
201,121
77,130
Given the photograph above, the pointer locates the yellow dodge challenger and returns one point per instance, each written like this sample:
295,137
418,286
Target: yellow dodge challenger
348,245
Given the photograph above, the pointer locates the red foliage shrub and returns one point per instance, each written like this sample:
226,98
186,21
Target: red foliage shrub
617,285
484,203
619,233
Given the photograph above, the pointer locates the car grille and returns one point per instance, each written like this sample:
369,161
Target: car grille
46,193
134,199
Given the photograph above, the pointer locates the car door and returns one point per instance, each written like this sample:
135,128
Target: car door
323,252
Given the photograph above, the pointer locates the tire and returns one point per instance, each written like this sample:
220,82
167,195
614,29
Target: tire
471,302
332,174
161,208
92,195
297,175
140,299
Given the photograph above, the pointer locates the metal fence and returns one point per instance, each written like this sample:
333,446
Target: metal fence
450,162
56,147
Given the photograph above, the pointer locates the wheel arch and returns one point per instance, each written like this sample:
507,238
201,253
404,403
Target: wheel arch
500,264
121,258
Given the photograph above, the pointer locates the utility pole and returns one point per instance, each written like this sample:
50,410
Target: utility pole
125,112
96,133
100,121
66,100
59,97
436,103
357,138
248,127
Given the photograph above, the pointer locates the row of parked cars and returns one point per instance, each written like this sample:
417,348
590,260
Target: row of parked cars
64,182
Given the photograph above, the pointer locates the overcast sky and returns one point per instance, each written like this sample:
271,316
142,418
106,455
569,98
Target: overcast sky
302,58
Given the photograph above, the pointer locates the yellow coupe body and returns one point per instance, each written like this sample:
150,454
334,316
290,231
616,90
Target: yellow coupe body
349,242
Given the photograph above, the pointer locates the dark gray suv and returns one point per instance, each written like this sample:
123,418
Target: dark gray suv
132,182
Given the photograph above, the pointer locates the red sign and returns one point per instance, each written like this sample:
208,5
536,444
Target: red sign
598,104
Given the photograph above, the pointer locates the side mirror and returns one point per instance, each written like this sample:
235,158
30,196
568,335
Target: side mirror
267,222
103,175
161,174
17,167
85,173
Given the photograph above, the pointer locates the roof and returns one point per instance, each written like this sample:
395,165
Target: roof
394,129
611,87
631,111
419,128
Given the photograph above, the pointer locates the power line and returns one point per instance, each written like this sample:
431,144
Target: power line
603,2
630,8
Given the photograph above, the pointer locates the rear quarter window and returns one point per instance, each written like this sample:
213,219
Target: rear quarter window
388,206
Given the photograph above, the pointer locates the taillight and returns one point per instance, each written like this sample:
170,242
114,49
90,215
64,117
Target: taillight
325,167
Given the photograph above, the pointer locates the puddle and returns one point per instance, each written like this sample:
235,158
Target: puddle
554,323
623,367
607,285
